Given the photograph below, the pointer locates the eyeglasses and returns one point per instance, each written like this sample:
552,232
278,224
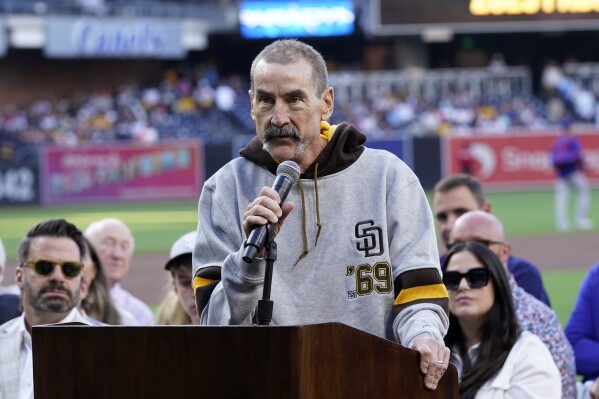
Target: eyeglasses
45,267
476,278
486,243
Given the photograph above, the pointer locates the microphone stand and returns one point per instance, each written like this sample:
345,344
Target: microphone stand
265,305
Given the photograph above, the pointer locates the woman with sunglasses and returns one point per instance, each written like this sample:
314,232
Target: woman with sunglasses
494,358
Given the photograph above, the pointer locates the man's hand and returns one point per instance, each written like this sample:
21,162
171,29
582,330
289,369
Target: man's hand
434,359
266,209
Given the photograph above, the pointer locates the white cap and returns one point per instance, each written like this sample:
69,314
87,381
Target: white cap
183,245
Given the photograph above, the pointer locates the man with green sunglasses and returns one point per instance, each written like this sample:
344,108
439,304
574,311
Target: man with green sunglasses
49,278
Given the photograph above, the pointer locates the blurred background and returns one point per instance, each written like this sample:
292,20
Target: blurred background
124,107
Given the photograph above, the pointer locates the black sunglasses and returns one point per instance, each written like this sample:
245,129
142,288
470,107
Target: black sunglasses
486,243
45,267
476,278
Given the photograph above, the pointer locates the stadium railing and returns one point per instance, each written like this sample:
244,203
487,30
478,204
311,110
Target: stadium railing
432,85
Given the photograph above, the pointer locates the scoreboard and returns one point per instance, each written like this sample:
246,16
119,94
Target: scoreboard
413,17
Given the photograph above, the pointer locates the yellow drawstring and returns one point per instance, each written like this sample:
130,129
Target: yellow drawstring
326,132
305,234
317,205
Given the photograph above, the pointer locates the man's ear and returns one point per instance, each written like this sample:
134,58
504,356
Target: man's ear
506,251
19,277
250,93
328,103
487,207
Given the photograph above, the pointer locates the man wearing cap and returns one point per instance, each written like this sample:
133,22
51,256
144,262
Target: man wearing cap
49,277
179,264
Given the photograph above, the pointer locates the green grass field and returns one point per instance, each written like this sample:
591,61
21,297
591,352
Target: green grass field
157,225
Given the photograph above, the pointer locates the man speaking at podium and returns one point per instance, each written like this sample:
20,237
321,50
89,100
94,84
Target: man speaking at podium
356,241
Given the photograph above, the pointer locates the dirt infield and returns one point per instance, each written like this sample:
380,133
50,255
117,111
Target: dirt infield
148,280
565,251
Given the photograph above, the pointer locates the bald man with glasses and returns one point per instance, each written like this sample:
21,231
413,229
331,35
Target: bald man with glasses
533,315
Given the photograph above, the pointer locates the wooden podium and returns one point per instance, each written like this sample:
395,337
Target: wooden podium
313,361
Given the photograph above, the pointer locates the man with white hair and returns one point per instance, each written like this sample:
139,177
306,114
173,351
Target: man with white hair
9,302
114,243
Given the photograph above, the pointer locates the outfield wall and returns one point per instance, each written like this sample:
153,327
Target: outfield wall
515,161
177,169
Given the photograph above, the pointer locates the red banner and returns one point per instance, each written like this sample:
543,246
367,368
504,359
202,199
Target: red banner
514,160
165,171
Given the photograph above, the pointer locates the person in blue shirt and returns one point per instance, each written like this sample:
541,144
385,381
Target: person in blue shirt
582,330
457,194
567,160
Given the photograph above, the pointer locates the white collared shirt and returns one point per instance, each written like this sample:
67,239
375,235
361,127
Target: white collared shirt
26,360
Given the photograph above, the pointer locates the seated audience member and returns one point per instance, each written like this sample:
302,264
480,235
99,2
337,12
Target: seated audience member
533,315
96,303
49,277
457,194
494,357
179,265
6,289
9,302
114,242
170,312
583,331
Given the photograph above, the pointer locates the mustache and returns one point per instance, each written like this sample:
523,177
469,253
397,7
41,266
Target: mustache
283,131
54,287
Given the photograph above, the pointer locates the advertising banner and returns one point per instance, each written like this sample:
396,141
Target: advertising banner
71,37
19,184
515,160
166,171
273,19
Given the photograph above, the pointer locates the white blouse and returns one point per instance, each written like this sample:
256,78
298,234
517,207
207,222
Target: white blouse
529,372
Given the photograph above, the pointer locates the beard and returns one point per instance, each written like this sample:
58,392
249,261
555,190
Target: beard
53,305
273,132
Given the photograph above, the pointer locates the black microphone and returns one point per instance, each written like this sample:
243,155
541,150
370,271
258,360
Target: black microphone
288,173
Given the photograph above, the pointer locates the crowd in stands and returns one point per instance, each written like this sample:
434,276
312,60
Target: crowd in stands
198,102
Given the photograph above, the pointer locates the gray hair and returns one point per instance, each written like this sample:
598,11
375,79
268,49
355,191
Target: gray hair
285,52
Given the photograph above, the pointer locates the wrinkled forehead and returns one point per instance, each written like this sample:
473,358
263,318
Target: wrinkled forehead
116,231
459,197
54,248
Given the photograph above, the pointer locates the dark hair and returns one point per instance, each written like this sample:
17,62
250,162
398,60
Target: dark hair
183,260
51,228
286,51
448,183
98,303
499,331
